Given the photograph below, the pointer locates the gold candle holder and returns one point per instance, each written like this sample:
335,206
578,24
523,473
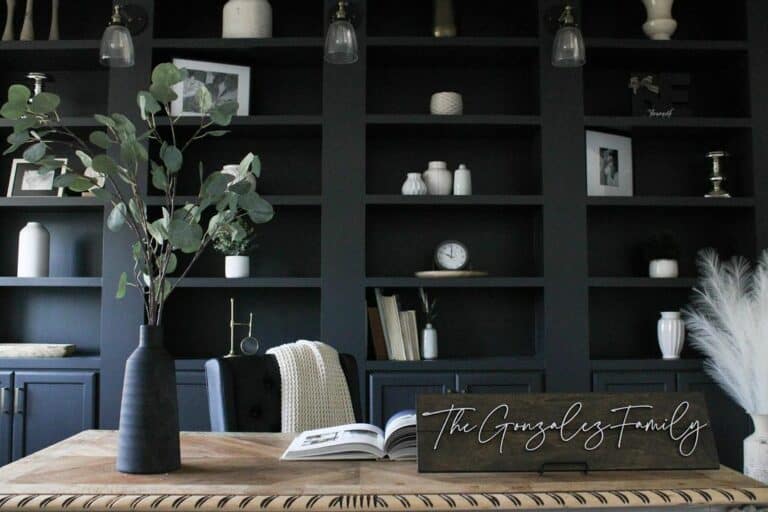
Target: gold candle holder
717,177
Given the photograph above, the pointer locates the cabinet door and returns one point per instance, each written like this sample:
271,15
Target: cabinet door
6,416
51,406
500,382
730,423
633,382
193,401
393,392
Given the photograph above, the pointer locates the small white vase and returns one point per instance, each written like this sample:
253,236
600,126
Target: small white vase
756,450
659,25
234,170
446,104
663,269
34,251
247,18
237,267
414,185
462,181
429,342
10,8
671,333
439,179
53,34
28,28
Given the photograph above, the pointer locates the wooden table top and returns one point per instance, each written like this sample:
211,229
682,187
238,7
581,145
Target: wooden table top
242,472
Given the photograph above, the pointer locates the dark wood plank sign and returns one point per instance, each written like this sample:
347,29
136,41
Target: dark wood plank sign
554,431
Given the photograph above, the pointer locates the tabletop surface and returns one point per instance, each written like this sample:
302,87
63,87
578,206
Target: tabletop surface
243,472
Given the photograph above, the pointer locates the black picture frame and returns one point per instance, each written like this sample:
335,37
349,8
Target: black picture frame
27,181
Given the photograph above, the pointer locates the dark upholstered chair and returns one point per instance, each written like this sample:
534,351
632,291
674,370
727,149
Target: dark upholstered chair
244,392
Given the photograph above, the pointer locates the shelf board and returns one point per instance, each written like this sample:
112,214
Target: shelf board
458,364
600,43
452,42
51,282
51,202
75,362
458,282
673,122
254,120
641,282
237,44
250,282
469,119
645,364
477,199
698,202
276,200
70,121
43,45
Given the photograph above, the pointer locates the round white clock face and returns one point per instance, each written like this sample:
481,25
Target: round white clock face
451,256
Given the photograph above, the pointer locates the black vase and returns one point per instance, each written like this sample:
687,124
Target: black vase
148,439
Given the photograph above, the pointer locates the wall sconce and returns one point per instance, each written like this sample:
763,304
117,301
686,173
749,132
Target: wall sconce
117,42
341,39
568,50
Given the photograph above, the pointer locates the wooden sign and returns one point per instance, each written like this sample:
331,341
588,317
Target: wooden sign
554,431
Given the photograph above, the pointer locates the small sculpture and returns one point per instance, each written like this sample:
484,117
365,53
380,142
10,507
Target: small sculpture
10,8
717,177
28,29
249,345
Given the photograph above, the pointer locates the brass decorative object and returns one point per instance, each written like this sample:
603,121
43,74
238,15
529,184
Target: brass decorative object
445,24
249,344
38,79
717,177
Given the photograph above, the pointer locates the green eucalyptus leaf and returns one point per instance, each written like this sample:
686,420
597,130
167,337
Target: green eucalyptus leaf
25,123
162,93
222,113
79,183
185,236
85,158
128,155
215,185
12,111
173,262
105,165
245,164
101,193
159,179
256,166
49,163
19,94
18,138
204,100
147,104
158,231
105,120
172,158
240,187
216,133
64,180
259,210
44,103
100,139
124,124
167,74
121,286
35,152
116,218
133,207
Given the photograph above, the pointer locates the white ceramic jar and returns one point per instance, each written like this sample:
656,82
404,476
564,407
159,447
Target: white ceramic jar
756,450
663,269
659,25
462,181
237,267
414,185
247,18
438,178
671,333
446,104
429,342
34,251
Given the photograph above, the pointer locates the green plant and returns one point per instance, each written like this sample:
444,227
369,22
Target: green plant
118,153
235,239
429,308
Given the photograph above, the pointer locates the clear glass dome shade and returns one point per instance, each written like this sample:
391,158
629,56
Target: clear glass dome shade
568,48
117,47
341,43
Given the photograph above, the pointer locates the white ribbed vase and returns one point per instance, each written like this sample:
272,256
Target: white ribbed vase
756,450
439,179
414,185
446,104
34,251
247,18
671,332
660,25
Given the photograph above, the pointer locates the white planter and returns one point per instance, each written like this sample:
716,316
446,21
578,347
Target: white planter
247,18
660,25
429,342
237,267
462,181
414,185
446,104
671,333
34,251
663,269
756,450
439,179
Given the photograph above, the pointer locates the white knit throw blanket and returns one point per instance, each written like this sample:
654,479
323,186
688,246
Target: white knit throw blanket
314,389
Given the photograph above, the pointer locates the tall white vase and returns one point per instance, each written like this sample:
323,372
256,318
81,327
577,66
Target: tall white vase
429,342
34,251
53,34
660,25
671,333
247,18
756,450
28,28
10,9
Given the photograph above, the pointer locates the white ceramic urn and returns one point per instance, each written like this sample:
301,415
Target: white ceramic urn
671,332
756,450
34,251
247,18
414,185
237,267
439,179
429,342
660,25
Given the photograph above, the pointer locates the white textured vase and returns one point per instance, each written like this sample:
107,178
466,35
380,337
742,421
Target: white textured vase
671,332
414,185
659,25
439,179
34,251
247,18
446,104
237,267
663,269
756,450
462,181
429,342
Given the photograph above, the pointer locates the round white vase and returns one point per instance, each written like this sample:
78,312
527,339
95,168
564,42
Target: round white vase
446,104
34,251
756,450
659,25
663,269
439,179
237,267
247,18
429,342
671,333
462,181
414,185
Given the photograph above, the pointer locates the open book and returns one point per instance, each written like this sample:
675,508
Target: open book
358,441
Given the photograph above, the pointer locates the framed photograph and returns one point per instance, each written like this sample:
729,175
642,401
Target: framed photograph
609,164
27,181
225,82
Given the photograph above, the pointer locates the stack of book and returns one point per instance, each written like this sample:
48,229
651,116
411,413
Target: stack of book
395,333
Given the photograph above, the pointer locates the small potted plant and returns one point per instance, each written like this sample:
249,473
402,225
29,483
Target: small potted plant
429,334
235,241
661,253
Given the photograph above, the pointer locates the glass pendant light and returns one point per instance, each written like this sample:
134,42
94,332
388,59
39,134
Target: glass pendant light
341,40
117,43
568,49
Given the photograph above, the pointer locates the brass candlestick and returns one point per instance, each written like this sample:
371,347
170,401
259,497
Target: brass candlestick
717,177
232,324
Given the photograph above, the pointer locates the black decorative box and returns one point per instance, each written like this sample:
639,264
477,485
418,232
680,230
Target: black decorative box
661,95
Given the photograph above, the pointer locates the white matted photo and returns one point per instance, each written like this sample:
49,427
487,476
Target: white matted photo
27,180
609,164
225,82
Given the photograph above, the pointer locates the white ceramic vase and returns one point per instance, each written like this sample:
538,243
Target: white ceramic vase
247,18
756,450
34,251
663,269
53,34
414,185
10,8
446,104
659,25
28,28
429,342
234,170
462,181
237,267
671,333
439,179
